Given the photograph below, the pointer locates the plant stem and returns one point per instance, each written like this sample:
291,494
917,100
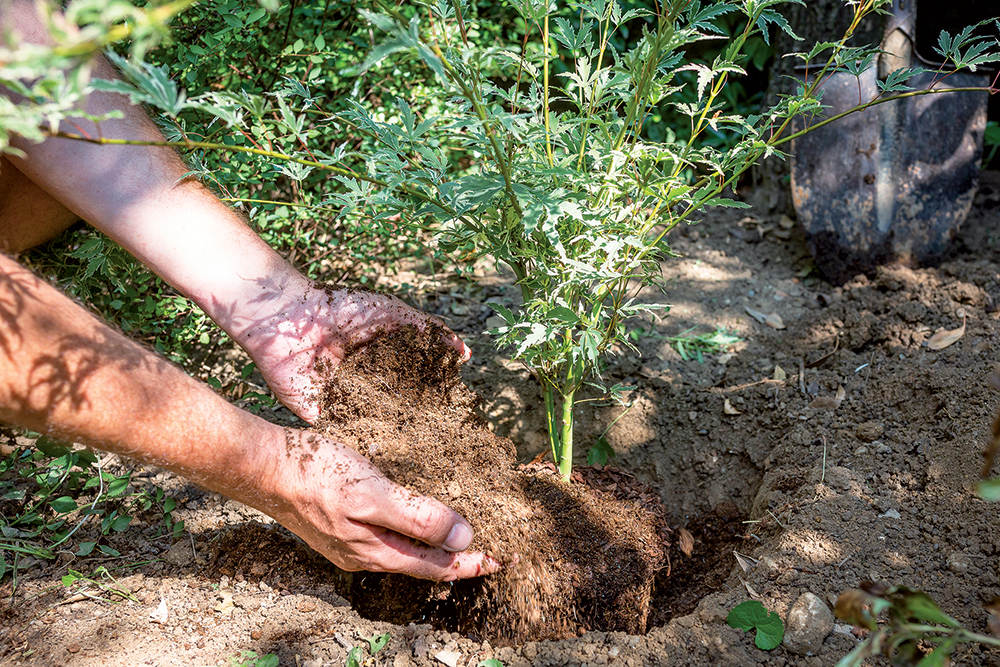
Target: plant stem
548,393
565,461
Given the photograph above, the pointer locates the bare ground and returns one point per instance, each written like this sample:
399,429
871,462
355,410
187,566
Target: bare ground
875,487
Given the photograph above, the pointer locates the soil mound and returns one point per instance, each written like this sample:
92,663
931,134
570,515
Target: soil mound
576,556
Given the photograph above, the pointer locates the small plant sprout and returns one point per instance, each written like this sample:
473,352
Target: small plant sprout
912,624
751,615
356,656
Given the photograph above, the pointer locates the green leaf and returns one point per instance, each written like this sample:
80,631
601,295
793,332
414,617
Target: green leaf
490,662
600,452
63,505
377,642
85,548
121,523
118,485
355,657
989,489
563,314
51,447
108,551
269,660
752,614
918,605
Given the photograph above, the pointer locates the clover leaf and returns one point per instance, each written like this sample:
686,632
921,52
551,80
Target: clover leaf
752,614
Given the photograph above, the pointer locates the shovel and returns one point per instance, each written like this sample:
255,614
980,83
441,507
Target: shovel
894,182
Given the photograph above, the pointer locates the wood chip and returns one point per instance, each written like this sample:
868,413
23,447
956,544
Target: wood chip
942,338
780,374
685,540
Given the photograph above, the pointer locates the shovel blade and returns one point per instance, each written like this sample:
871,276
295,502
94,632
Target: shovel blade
891,183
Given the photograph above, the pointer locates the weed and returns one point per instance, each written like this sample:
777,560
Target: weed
696,346
49,491
914,630
100,581
356,656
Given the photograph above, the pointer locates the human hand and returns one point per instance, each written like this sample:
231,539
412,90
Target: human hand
344,508
298,328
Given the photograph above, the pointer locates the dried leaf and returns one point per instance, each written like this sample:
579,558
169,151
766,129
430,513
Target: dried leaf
830,403
160,615
780,374
756,314
728,408
746,563
774,321
943,338
685,541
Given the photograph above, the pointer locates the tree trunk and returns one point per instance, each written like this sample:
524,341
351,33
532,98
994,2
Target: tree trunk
817,21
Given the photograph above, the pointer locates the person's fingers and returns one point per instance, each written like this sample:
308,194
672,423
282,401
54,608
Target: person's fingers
397,553
422,518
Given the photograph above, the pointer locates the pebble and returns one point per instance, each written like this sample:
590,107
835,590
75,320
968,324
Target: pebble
869,431
959,563
809,622
890,514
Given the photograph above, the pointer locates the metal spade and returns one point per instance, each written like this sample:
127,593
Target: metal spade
894,182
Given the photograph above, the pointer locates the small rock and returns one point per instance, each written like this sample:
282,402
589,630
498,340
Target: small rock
883,448
180,554
73,648
959,563
256,634
449,658
869,431
809,622
725,358
495,322
890,514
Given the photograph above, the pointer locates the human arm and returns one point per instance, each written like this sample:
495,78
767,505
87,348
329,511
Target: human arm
139,197
66,374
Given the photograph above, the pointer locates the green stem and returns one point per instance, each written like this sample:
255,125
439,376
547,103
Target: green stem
548,393
565,461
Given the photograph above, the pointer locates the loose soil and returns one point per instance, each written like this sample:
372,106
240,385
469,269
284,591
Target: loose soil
877,486
573,559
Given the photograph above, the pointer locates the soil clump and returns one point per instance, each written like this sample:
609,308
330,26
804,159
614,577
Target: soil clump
576,557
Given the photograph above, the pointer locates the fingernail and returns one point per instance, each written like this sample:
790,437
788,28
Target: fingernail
459,538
